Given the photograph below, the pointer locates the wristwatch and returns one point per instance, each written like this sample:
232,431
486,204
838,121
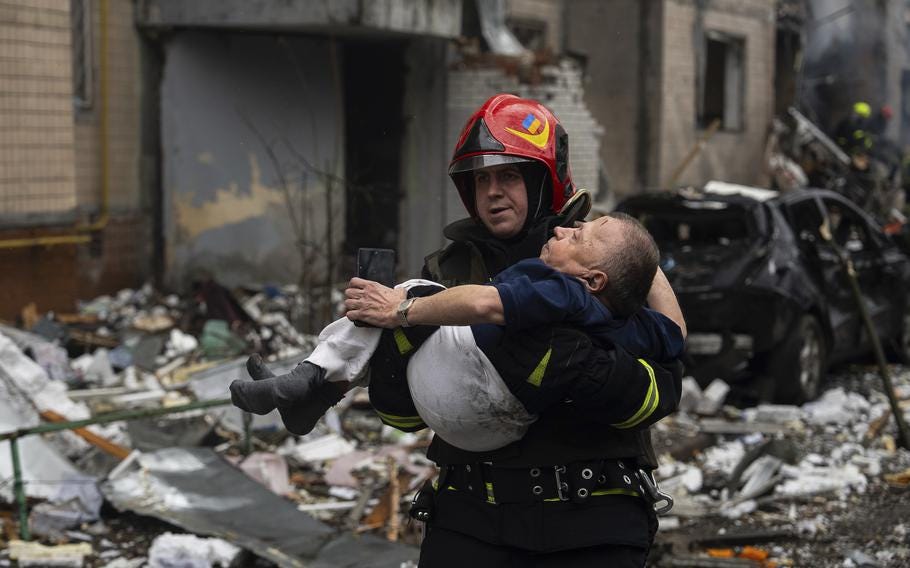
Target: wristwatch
403,309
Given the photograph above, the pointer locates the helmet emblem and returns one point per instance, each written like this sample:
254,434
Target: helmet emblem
534,134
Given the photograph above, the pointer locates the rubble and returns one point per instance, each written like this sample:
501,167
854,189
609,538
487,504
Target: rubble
138,349
269,469
780,479
190,551
712,398
790,485
40,556
198,490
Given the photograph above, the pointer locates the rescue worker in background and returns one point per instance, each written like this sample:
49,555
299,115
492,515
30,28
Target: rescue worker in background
853,133
569,493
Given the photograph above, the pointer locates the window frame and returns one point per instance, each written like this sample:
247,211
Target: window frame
82,35
739,44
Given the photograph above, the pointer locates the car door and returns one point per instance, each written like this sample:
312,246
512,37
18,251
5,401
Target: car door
806,218
852,231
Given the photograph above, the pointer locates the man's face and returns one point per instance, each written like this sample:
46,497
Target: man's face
501,199
577,250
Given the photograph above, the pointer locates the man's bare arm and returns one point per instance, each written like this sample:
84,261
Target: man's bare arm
662,299
377,305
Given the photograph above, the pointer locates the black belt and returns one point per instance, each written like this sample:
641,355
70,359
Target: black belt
575,482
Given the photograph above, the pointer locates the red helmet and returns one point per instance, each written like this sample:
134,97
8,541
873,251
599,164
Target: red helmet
508,129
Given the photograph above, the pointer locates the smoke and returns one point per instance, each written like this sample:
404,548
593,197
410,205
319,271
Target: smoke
849,46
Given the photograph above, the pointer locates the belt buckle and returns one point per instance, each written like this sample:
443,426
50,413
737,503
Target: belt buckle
562,487
662,502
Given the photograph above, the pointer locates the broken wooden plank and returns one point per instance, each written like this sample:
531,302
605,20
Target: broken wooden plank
103,444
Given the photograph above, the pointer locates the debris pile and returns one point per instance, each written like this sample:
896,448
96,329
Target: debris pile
777,485
211,484
819,484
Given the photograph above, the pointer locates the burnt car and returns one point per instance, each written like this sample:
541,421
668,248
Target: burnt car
766,298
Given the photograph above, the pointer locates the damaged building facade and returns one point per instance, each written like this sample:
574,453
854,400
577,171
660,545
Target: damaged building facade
260,142
320,119
670,70
250,143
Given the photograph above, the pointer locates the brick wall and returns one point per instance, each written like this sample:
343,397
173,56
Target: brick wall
50,156
54,278
37,174
734,156
123,115
561,91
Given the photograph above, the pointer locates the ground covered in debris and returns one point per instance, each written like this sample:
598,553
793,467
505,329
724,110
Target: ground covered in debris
820,485
824,484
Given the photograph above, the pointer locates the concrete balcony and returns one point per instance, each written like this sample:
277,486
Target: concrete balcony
435,18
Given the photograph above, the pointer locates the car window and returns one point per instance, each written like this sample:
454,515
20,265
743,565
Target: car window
700,228
848,228
806,219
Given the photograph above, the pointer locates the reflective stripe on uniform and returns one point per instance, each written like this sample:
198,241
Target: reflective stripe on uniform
648,406
602,492
401,421
401,340
615,492
537,374
599,493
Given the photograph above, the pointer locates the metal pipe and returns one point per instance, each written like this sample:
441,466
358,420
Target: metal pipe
44,241
903,432
19,489
112,417
13,437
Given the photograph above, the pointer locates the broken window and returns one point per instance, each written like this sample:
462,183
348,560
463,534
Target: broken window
806,220
848,229
722,82
531,33
81,22
702,228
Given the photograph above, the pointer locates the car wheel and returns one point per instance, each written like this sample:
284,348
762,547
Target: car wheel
797,367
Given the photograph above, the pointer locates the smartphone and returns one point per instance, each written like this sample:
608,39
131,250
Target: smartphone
377,265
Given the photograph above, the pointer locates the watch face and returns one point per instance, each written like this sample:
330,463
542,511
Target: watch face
403,308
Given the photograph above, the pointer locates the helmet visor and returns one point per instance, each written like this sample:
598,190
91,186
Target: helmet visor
484,161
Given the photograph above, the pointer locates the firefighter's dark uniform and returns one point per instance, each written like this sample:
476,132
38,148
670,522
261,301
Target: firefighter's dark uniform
567,494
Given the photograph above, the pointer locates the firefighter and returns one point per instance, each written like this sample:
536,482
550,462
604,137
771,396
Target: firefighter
576,490
853,134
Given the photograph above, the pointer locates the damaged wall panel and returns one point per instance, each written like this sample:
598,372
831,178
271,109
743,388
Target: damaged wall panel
612,88
424,156
252,136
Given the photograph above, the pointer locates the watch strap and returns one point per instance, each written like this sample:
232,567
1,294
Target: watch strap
403,308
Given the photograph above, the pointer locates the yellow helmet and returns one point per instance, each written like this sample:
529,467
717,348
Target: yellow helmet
862,109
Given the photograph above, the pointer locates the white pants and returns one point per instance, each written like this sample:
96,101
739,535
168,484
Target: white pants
457,391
